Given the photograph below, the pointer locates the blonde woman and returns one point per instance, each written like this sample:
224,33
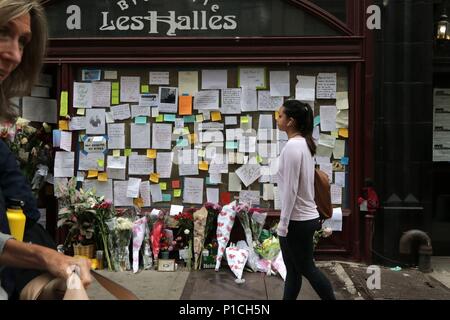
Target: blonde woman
23,37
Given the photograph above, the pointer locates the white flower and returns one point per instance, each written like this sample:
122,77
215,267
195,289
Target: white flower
327,232
186,231
124,224
91,202
21,122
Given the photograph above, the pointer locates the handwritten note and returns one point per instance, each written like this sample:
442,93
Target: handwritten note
214,79
144,191
249,99
116,136
159,78
64,164
268,103
193,190
188,82
231,101
101,94
117,162
120,194
155,191
140,136
164,164
140,165
77,123
254,78
162,136
95,121
328,118
249,173
129,89
82,95
249,197
305,89
121,112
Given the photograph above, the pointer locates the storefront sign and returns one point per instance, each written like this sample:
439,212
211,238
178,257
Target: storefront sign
193,18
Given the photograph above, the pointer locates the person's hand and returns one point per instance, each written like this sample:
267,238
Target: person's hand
63,266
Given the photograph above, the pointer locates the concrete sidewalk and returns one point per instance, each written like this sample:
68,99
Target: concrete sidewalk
348,280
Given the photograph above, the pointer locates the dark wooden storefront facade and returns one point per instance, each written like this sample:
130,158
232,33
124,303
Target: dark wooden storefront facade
344,42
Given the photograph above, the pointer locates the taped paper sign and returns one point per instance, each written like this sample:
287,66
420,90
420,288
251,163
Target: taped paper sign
94,144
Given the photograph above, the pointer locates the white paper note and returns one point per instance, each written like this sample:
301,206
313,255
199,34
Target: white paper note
116,136
268,103
187,162
95,121
279,84
276,199
130,89
102,188
326,86
140,165
155,191
90,161
82,95
64,164
268,192
162,136
193,190
121,112
212,195
250,197
339,179
137,111
120,194
231,121
249,173
339,149
328,118
101,94
164,162
214,79
159,78
206,100
144,192
188,82
231,101
335,223
234,183
265,121
305,89
342,119
110,75
252,77
117,162
342,100
133,187
336,194
66,140
249,100
140,136
77,123
175,210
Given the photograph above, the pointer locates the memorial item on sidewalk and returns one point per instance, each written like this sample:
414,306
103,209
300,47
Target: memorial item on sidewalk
237,258
225,222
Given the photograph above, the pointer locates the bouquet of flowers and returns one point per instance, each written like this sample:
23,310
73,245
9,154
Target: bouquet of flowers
211,222
120,230
200,219
322,233
77,211
268,250
257,220
32,148
242,211
104,212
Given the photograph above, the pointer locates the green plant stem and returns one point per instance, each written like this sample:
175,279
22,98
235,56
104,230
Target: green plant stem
105,246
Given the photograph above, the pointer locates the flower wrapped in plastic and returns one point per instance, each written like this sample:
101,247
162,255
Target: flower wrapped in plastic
322,233
257,221
200,218
237,258
139,227
119,241
225,222
157,233
268,250
242,211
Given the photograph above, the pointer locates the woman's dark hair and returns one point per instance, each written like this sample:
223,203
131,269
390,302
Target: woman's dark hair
303,116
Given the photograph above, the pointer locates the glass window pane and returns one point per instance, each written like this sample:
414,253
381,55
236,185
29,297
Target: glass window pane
338,8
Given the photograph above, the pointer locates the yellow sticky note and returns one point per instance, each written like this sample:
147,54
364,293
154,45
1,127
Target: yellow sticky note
343,132
127,152
334,134
92,173
159,118
203,165
81,111
64,104
276,115
163,185
192,138
199,118
115,93
216,116
244,119
177,193
145,88
116,153
114,100
259,159
151,153
154,177
63,125
102,176
115,86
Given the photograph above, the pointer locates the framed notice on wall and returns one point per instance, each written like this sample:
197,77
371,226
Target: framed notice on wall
441,124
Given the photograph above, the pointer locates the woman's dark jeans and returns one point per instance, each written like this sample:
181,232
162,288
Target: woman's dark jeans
297,249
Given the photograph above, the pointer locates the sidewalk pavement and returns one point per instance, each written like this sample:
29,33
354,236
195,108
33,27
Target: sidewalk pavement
348,280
